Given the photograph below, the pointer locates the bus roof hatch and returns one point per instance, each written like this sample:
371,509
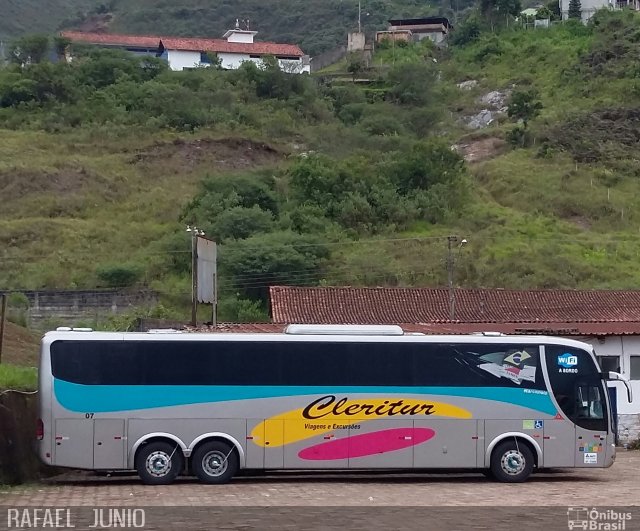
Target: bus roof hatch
344,330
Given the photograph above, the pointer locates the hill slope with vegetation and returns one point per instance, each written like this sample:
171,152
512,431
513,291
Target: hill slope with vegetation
325,181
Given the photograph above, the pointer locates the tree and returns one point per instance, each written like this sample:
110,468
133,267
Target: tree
252,265
554,7
355,65
412,83
467,32
544,13
29,49
575,9
427,164
524,106
496,10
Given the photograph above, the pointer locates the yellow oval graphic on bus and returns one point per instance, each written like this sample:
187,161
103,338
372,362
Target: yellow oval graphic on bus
332,413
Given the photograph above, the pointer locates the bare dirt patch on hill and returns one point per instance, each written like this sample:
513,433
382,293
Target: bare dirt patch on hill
478,150
223,154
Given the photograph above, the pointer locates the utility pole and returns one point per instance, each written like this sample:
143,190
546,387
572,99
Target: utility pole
450,268
3,313
359,16
452,301
194,278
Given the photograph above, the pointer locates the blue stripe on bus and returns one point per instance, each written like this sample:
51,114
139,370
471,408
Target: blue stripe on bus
112,398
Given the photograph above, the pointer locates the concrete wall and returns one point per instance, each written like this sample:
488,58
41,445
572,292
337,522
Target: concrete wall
68,308
328,58
179,60
18,460
355,42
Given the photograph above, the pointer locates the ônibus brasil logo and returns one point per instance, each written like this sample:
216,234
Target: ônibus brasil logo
596,519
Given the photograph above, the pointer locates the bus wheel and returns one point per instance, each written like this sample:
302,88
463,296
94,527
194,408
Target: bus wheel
512,462
159,463
215,462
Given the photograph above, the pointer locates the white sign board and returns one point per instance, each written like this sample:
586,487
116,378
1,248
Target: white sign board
206,253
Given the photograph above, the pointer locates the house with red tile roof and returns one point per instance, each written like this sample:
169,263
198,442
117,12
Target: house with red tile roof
236,47
137,44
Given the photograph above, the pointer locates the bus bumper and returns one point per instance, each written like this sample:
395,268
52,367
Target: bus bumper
610,456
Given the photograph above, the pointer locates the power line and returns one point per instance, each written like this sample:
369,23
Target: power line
575,239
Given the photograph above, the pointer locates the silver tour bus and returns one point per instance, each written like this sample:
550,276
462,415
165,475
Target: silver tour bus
320,397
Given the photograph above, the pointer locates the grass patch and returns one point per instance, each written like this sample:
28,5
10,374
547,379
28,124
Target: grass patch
18,378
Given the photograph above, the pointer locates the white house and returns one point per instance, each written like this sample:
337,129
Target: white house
236,47
589,7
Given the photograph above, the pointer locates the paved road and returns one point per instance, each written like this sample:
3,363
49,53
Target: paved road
322,501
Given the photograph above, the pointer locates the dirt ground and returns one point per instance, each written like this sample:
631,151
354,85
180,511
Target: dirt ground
224,154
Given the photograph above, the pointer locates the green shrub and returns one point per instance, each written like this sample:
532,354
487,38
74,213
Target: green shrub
240,222
118,275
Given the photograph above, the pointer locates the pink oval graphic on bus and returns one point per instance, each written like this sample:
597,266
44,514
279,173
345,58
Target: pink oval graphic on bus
377,442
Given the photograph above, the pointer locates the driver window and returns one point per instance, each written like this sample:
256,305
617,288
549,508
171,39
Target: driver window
589,402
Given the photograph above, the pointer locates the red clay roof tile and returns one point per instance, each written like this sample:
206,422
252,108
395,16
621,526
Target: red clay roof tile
347,305
552,329
109,39
223,46
185,44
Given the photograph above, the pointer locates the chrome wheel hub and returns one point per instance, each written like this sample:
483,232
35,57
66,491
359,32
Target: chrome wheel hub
513,462
214,463
158,464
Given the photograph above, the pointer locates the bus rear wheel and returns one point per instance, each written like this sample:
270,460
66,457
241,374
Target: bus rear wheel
512,462
159,463
215,462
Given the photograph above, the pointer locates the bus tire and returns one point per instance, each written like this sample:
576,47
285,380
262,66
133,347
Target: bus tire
215,462
486,472
511,462
159,463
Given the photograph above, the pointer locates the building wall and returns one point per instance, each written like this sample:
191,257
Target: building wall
626,347
393,36
232,61
241,36
179,60
435,36
355,42
589,7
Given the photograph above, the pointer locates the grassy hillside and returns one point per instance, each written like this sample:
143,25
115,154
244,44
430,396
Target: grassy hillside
318,181
39,16
20,346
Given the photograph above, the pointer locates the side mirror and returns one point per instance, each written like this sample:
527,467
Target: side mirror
617,377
